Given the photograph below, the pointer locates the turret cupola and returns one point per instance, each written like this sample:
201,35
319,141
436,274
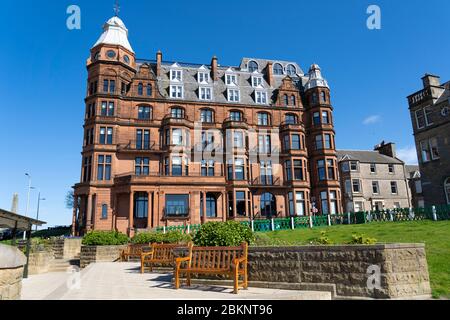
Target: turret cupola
115,33
315,78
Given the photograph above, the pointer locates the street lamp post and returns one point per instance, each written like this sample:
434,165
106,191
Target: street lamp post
28,201
38,205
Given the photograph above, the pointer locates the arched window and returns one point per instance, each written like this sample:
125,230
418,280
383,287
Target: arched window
268,205
263,119
211,205
286,100
144,113
447,189
252,66
149,90
291,70
104,211
177,112
293,100
277,69
236,116
140,89
291,119
323,96
206,116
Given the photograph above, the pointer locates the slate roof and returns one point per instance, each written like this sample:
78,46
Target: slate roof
244,79
366,157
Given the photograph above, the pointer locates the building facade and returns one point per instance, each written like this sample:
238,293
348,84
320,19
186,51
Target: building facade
415,185
373,180
430,115
170,143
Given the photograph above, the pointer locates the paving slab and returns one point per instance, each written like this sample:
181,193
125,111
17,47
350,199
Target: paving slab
123,281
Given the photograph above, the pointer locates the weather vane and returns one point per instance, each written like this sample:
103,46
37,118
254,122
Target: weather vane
117,8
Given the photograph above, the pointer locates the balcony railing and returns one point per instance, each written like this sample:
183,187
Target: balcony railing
291,125
138,145
170,119
267,181
419,96
235,123
176,212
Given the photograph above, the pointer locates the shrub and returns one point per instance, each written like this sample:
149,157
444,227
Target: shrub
170,237
104,238
230,233
362,239
322,240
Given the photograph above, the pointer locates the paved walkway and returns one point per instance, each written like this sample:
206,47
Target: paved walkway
123,281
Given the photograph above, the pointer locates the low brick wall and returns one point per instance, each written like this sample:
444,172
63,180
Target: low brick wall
91,254
40,262
403,267
11,271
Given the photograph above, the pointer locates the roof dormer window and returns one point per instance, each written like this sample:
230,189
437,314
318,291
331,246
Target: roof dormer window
291,70
176,75
233,95
176,92
252,66
205,93
231,80
261,97
257,81
203,77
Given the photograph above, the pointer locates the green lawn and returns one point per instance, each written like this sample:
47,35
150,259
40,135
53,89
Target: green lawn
435,235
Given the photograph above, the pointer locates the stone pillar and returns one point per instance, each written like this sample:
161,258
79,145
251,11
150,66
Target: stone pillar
89,213
155,212
131,214
224,206
149,210
204,208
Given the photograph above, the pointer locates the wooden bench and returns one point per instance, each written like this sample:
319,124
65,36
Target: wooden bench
133,251
160,254
230,261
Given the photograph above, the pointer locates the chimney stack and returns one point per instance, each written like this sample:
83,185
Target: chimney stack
387,149
158,63
431,80
269,74
214,66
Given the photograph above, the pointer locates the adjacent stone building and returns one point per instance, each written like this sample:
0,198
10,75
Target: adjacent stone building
170,143
373,180
430,115
415,185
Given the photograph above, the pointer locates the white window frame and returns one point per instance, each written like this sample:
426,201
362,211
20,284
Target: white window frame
201,94
178,90
231,95
396,187
417,118
231,79
377,185
433,157
261,97
203,77
428,122
257,81
176,75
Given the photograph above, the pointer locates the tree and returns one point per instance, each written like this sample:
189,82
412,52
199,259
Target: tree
69,199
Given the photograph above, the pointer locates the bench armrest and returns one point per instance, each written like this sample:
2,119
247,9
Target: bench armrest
179,260
146,254
240,260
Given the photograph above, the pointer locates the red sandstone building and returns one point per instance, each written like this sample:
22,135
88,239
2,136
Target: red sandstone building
169,143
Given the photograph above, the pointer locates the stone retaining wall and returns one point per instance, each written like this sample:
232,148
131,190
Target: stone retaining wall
11,271
91,254
403,267
72,248
40,262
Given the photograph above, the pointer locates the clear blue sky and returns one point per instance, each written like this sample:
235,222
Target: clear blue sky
44,77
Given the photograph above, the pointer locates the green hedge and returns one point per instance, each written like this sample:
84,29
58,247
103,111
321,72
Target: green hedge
230,233
169,237
105,238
